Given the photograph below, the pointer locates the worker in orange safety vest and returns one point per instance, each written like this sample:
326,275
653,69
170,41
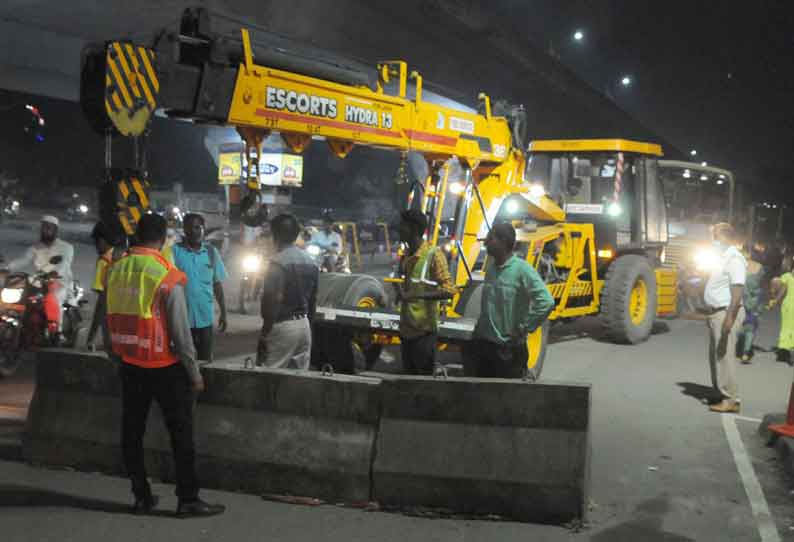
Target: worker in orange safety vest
149,333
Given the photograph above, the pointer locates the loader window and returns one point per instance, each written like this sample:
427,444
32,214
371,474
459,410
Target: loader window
549,171
655,208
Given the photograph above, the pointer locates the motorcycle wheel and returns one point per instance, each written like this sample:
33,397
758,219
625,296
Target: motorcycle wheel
10,351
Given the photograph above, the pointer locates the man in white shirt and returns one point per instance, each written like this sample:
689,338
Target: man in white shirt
330,241
40,257
725,315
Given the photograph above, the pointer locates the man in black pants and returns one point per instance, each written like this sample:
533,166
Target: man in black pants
515,302
146,315
426,282
205,271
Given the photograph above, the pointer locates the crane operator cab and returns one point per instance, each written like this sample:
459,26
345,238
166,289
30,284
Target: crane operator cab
611,183
610,190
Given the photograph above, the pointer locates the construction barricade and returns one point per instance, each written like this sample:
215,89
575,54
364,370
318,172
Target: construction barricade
509,448
263,431
484,446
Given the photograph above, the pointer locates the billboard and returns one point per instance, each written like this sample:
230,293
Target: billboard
279,169
230,169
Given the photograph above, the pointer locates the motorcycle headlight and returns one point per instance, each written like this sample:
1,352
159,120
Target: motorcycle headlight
251,263
313,250
706,259
11,295
15,205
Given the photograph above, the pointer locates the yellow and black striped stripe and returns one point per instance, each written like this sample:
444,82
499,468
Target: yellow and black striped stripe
133,202
131,86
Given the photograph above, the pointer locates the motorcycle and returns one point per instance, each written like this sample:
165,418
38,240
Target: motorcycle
327,261
9,207
77,211
23,324
251,282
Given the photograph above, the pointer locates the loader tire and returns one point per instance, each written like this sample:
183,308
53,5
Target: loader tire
628,300
537,344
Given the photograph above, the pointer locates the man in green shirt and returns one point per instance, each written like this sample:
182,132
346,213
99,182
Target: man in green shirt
515,302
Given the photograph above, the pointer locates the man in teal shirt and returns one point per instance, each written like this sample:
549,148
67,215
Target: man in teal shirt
205,272
515,302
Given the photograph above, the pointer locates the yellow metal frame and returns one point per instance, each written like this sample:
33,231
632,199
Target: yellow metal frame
592,145
351,226
385,227
666,291
576,252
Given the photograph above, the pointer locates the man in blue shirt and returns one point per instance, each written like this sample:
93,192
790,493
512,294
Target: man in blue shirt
205,272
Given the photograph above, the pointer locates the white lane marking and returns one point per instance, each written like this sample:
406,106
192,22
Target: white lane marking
763,519
747,418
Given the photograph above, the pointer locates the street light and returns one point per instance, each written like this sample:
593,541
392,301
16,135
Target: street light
626,81
693,152
578,35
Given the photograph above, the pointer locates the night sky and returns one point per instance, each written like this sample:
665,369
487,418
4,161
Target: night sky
713,76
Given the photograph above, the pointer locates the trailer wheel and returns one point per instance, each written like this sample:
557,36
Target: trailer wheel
346,349
628,300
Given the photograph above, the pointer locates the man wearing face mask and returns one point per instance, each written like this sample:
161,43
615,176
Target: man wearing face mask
41,257
725,315
205,272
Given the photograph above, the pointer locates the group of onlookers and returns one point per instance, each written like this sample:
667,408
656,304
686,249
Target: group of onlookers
743,285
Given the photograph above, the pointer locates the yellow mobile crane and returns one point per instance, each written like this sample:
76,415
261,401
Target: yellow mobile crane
263,86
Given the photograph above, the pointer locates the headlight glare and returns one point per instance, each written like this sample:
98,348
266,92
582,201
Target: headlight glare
706,259
11,295
251,263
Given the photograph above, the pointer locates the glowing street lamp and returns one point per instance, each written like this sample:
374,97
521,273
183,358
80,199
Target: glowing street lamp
578,35
693,152
626,81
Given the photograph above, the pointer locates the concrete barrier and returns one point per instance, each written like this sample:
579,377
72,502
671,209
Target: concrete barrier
484,447
256,431
468,445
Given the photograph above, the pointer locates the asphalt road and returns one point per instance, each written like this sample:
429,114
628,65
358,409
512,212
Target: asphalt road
663,468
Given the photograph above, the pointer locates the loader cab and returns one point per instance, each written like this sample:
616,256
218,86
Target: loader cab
613,184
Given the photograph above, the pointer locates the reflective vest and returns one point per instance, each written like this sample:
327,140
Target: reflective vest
422,314
137,286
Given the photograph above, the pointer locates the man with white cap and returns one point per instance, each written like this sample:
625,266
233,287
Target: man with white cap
41,257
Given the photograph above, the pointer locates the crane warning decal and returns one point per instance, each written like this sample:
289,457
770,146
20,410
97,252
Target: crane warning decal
300,102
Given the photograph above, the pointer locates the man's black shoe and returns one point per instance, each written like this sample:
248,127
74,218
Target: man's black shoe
198,508
146,505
